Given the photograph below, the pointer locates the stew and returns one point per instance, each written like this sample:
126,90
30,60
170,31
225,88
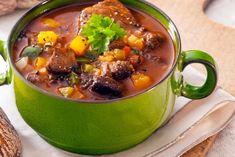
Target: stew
94,51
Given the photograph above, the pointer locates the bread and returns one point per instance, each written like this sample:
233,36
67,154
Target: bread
10,145
7,6
27,3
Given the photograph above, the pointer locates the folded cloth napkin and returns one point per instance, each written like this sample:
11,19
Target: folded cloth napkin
191,122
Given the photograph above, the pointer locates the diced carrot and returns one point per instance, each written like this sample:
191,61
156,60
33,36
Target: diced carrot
77,94
127,50
141,81
40,63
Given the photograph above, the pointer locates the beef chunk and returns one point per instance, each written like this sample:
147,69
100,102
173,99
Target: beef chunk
152,40
117,44
106,86
61,62
36,78
111,8
121,70
86,80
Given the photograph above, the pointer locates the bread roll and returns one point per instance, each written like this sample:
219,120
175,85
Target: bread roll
7,6
27,3
10,145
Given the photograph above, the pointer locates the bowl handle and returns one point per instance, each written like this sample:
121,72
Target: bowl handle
198,92
5,77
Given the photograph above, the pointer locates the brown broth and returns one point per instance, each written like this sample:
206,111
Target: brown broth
68,18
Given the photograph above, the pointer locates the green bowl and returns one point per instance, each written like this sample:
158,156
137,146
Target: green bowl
101,127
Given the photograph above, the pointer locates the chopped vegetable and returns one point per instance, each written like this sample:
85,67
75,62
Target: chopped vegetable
88,68
43,71
101,31
22,63
47,37
119,54
79,45
92,55
97,71
136,52
127,50
73,79
136,60
136,42
66,91
78,94
141,81
31,51
40,63
50,22
83,60
108,58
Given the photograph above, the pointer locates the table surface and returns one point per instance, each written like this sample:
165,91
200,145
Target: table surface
221,11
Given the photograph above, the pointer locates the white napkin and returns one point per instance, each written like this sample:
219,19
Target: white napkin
190,124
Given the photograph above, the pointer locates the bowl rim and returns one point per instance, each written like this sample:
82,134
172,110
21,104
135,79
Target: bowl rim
95,101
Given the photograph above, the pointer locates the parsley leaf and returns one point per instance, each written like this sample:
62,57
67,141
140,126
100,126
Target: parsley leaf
101,31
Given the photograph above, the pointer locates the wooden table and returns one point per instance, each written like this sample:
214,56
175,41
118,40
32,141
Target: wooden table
199,32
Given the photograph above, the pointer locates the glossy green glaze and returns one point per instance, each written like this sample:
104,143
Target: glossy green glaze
108,126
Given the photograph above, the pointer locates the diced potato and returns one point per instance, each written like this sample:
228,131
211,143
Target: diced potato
66,91
79,45
43,71
141,81
47,37
108,58
22,63
119,54
136,42
40,62
50,22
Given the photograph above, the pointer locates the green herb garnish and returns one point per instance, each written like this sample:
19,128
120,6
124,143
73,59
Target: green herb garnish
136,52
101,31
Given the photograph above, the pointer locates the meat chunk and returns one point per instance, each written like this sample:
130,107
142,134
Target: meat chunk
121,70
123,16
103,86
86,80
117,44
111,8
36,78
61,62
106,86
152,40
